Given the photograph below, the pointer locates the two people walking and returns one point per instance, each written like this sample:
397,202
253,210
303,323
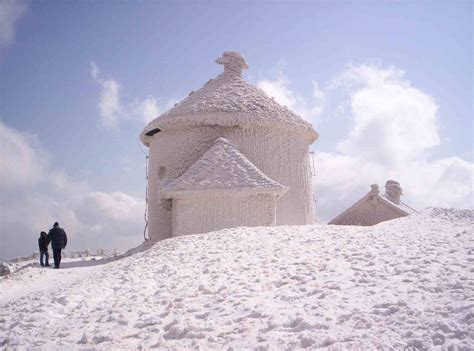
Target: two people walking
58,239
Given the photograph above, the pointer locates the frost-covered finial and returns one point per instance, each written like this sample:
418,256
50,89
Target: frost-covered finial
233,62
374,188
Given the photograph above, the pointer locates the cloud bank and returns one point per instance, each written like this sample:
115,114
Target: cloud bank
35,194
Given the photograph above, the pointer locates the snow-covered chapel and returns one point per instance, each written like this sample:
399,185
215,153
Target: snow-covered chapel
227,155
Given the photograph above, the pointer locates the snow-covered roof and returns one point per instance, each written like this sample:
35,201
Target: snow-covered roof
401,206
228,100
374,195
222,168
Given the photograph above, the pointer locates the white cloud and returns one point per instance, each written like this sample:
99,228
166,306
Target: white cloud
10,12
447,182
21,165
146,110
389,113
112,110
35,194
394,127
279,89
110,107
117,206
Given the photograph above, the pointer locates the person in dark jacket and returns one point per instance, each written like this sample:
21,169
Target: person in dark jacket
43,247
58,238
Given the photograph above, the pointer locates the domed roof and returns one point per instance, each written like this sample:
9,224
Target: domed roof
228,100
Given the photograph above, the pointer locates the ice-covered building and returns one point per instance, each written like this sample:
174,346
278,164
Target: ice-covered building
374,207
227,155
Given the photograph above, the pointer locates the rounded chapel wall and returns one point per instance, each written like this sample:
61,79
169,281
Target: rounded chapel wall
283,155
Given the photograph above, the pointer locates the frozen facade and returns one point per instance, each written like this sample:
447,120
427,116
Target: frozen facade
226,156
374,207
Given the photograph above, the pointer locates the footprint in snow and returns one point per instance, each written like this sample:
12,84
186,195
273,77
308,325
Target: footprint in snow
61,300
202,315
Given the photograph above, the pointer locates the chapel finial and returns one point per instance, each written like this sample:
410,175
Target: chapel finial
374,188
233,61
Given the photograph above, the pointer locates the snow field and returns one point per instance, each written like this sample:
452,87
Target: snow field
406,282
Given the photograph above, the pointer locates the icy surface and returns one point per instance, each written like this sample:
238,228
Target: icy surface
406,282
223,167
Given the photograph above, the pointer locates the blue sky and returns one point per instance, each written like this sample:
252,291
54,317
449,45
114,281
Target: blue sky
161,50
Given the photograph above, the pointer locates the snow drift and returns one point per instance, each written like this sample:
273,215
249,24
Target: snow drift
402,283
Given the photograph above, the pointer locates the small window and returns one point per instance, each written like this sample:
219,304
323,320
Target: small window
167,204
161,172
153,132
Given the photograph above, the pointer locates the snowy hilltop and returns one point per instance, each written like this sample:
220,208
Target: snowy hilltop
402,283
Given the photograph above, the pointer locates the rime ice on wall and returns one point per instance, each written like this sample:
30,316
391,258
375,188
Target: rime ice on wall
374,208
208,213
223,189
271,137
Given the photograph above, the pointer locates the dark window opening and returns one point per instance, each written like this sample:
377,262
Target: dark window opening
161,172
153,132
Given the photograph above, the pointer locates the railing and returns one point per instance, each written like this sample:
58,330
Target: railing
70,254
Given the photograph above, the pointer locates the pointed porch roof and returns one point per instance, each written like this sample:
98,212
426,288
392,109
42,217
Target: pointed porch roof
222,169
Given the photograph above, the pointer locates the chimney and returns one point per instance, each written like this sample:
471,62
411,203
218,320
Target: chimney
393,190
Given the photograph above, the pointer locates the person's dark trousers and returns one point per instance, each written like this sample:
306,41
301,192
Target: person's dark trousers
57,257
44,255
